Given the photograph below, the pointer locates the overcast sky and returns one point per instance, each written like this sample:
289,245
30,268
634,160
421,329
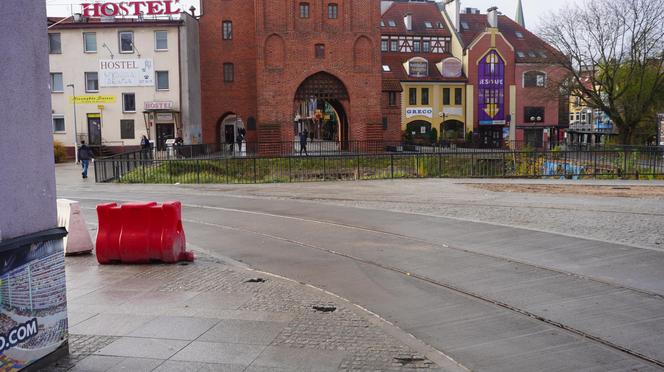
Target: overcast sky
533,9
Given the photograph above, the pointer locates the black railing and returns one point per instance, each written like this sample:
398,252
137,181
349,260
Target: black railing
622,163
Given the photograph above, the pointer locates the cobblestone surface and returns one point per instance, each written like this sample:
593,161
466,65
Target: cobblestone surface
80,347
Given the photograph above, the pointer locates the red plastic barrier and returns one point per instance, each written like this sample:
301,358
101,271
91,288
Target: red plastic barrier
141,232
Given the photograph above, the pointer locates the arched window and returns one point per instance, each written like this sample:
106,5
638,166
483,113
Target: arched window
534,79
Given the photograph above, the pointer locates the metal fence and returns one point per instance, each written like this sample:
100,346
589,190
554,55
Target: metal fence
625,163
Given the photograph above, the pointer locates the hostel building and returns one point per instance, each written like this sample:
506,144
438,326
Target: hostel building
114,80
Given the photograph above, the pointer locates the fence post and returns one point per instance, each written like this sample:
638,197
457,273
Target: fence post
255,175
324,170
503,164
170,172
198,171
227,174
290,173
440,164
358,168
472,163
625,163
392,166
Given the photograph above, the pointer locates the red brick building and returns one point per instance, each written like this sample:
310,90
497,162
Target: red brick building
276,67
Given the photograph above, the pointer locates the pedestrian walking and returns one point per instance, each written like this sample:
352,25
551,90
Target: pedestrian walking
84,156
145,146
239,138
304,137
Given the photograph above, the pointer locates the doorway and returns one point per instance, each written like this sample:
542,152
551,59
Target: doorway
94,129
491,137
164,133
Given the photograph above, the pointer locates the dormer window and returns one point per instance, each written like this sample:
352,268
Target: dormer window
391,23
386,68
382,23
428,25
465,26
520,54
532,55
440,24
518,34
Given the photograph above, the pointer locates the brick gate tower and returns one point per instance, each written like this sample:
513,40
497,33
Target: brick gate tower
269,66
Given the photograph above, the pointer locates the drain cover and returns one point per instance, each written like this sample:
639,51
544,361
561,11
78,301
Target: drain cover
256,280
325,308
409,359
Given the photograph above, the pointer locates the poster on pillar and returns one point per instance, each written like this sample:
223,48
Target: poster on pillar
33,303
491,89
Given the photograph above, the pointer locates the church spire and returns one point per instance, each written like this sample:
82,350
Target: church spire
519,15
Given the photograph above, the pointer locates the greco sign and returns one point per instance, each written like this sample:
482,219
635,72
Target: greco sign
130,8
419,111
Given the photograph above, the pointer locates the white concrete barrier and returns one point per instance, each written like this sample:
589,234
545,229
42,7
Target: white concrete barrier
69,216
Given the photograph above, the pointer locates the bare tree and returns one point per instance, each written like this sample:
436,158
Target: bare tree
614,57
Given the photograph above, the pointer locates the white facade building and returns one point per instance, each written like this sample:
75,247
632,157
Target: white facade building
124,78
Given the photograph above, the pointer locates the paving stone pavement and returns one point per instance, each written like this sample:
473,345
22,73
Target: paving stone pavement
210,316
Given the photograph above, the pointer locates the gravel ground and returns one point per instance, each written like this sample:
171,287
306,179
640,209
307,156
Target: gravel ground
604,211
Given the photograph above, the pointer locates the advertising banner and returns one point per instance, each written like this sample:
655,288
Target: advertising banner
491,87
33,302
660,129
418,68
90,100
126,73
419,111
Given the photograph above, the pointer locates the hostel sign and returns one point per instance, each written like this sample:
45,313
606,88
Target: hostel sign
491,87
131,8
126,73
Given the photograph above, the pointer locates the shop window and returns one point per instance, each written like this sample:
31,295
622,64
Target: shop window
91,82
229,72
534,79
126,41
57,85
304,10
227,30
533,114
161,40
412,96
320,51
332,11
128,102
58,123
446,96
458,96
54,44
162,80
392,98
127,129
425,96
90,42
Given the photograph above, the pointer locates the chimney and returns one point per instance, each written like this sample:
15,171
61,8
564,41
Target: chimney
453,11
408,21
492,16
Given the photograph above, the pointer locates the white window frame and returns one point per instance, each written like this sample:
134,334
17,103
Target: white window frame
156,44
123,103
156,78
120,42
53,85
85,77
64,123
85,44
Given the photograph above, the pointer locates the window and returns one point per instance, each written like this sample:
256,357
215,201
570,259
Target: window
426,46
458,96
162,80
543,55
386,68
416,46
428,25
127,129
392,98
534,79
382,23
54,44
521,54
56,82
128,102
532,54
446,96
229,72
533,114
425,96
465,26
126,41
518,34
394,45
385,123
391,23
90,42
304,10
161,40
384,45
332,11
320,51
58,123
91,82
227,30
412,96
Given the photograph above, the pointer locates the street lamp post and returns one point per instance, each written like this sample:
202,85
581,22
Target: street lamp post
73,88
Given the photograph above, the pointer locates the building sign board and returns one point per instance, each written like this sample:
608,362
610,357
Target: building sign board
126,73
491,88
419,111
164,117
91,100
158,105
660,129
130,8
418,68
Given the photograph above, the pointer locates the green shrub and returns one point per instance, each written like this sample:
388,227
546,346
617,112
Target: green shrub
59,152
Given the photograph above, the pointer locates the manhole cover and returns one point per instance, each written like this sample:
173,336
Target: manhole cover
256,280
325,308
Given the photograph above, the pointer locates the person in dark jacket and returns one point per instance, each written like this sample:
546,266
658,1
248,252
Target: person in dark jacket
84,156
146,147
304,137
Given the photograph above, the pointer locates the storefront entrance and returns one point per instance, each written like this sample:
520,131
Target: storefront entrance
94,129
164,132
491,137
